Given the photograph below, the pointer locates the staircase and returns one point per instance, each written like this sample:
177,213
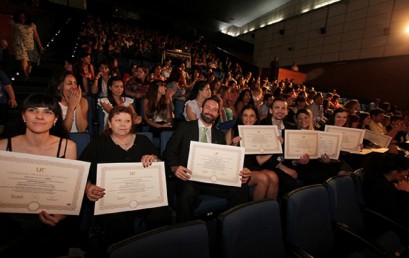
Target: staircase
59,31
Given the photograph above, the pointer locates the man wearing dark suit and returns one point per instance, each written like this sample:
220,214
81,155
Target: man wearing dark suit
176,156
284,169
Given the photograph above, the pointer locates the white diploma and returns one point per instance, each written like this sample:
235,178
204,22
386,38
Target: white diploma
367,151
215,163
130,186
352,138
300,142
313,143
260,139
329,144
378,139
34,183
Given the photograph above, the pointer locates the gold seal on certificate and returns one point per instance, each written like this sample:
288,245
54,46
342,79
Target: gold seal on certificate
130,186
215,163
33,183
260,139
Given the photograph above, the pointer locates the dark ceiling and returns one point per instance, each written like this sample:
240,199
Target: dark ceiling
212,15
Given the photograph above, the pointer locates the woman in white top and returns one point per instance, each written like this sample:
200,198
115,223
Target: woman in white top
116,98
74,107
200,92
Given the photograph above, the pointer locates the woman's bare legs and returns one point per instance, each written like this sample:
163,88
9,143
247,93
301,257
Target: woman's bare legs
26,66
272,191
260,182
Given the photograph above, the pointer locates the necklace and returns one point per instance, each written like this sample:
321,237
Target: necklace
125,145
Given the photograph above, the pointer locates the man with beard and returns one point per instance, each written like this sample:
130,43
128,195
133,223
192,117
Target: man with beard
176,156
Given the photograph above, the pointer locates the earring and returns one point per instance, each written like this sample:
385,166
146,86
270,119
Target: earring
54,123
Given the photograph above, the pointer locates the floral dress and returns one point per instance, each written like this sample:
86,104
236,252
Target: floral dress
23,42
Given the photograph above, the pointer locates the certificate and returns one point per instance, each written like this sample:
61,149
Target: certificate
260,139
130,186
370,150
352,138
300,142
313,143
215,163
34,183
378,139
329,144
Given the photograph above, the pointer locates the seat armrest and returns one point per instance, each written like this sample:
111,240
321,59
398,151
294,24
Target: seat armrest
354,235
297,252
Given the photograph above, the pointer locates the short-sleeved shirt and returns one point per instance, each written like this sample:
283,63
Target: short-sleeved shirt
127,103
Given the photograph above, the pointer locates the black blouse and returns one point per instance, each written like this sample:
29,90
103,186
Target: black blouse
104,150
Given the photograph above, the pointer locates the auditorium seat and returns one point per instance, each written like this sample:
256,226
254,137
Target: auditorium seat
251,229
309,226
81,140
345,210
188,239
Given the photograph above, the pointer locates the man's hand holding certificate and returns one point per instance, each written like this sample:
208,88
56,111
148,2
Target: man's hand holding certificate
215,163
260,139
130,186
33,183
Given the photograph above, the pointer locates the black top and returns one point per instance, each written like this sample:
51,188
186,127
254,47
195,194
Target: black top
104,150
178,146
9,147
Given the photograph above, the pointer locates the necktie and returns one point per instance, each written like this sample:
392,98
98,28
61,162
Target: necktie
203,136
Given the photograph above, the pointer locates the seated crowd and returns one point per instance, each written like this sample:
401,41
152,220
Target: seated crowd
196,105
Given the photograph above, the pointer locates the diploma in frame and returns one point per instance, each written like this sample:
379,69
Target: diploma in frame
33,183
130,186
260,139
215,163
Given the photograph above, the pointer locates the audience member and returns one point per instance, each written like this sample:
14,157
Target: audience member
364,120
63,86
119,144
100,85
176,156
374,104
385,186
266,106
85,72
174,82
245,98
264,181
283,168
200,92
157,109
352,106
116,98
7,99
317,110
42,234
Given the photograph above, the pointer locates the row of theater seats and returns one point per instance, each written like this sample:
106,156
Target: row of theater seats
322,220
